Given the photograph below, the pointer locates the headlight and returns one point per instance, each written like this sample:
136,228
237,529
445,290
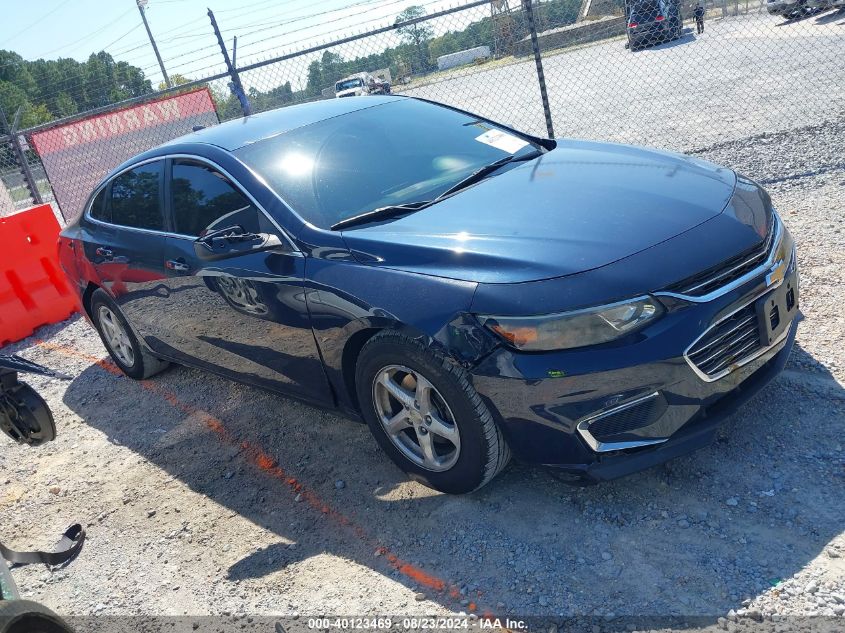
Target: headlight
785,248
580,328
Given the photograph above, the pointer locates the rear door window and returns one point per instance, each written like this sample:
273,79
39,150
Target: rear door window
204,200
135,199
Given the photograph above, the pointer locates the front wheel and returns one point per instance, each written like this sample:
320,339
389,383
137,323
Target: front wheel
123,346
426,415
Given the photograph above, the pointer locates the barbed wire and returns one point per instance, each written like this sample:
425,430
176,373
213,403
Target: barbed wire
326,34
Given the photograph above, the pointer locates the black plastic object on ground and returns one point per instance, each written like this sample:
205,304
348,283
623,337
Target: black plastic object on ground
24,416
25,616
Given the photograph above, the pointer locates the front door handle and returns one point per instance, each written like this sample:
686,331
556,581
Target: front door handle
177,266
105,253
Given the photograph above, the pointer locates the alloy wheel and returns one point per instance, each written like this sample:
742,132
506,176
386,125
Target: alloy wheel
116,337
416,418
242,294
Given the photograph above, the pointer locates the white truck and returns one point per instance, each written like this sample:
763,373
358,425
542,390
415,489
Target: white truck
361,84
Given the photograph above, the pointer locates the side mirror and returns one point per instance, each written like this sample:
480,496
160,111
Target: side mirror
224,246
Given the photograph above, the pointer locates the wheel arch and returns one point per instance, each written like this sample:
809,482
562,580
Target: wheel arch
362,332
87,294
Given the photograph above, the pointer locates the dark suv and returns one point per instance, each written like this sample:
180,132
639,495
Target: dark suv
653,21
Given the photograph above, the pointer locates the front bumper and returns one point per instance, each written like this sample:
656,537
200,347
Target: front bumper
699,431
546,403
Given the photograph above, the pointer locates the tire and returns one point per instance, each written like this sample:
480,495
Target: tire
133,358
31,413
481,451
25,616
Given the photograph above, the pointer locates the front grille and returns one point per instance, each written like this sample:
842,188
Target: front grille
634,417
731,341
715,277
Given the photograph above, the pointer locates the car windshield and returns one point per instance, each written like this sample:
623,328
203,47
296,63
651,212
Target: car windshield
349,83
395,153
644,12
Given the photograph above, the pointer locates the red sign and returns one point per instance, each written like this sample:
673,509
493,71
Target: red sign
76,156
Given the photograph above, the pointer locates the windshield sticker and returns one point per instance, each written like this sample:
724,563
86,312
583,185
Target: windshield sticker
502,140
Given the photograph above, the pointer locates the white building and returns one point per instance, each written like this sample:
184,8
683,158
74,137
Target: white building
460,58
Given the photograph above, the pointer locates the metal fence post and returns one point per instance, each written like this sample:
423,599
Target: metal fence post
236,85
20,154
538,62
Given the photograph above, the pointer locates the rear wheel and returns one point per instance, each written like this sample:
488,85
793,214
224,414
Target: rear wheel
426,415
25,616
123,346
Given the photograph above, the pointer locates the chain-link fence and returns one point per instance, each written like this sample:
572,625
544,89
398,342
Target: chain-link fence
678,74
23,181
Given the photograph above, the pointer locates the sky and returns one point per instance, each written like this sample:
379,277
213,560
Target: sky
51,29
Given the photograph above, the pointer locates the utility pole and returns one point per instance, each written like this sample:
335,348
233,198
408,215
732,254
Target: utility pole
235,85
141,4
528,7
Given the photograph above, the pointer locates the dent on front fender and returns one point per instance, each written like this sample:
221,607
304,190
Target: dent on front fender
345,298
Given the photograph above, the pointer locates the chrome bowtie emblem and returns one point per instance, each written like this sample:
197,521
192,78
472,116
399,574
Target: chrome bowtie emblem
776,273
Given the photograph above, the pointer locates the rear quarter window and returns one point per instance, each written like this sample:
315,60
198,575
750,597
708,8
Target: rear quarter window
99,210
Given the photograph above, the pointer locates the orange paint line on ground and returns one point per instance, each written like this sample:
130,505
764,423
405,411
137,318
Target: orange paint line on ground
268,465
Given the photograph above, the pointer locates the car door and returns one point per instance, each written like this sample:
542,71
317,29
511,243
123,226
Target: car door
241,313
123,240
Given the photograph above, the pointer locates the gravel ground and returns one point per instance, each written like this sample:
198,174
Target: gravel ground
202,496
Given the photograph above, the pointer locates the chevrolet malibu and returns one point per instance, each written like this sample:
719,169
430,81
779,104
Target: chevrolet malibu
467,290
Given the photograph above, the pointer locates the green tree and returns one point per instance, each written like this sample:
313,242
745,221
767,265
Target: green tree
175,80
49,89
418,35
315,78
12,98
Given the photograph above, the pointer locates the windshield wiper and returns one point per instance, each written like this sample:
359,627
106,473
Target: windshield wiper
483,172
394,210
390,211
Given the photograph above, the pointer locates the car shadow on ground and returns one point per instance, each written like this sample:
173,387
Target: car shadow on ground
693,537
831,16
808,14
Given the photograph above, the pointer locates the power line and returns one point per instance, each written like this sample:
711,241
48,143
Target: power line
134,28
346,28
305,39
38,21
326,33
89,35
298,19
233,27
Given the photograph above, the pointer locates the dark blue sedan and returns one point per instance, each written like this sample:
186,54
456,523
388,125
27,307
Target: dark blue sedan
468,290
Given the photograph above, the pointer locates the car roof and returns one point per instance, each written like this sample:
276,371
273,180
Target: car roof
239,132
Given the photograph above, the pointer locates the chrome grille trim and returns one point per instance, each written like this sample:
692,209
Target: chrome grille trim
721,372
760,254
746,321
777,236
603,447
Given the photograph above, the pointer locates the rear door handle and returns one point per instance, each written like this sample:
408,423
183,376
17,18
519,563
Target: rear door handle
177,266
105,253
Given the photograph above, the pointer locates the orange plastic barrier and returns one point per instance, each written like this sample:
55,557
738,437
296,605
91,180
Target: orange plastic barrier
33,289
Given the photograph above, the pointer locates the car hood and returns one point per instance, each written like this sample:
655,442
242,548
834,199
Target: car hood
581,206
